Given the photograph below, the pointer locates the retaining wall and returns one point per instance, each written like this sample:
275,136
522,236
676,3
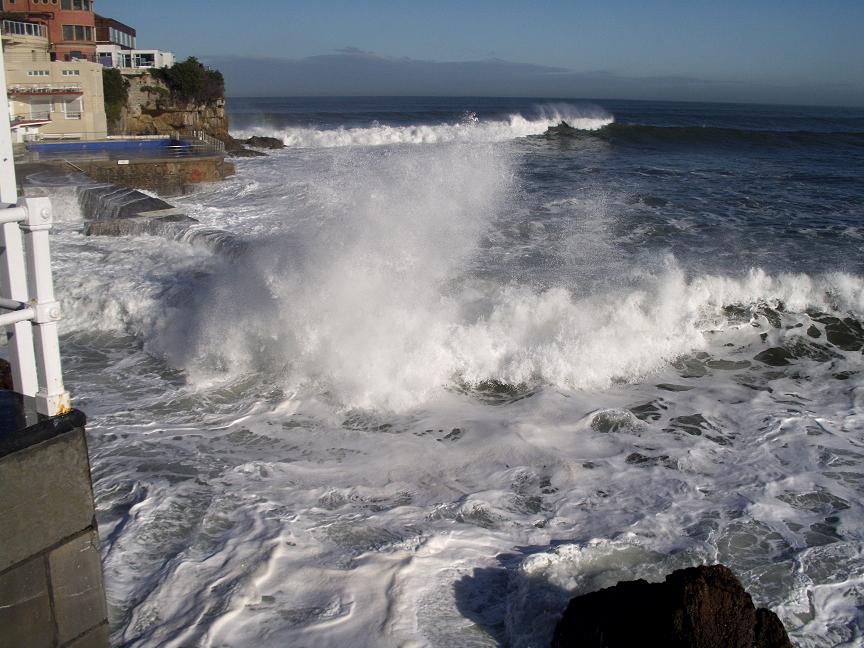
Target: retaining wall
51,592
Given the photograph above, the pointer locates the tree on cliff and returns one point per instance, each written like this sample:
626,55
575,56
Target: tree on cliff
116,92
191,82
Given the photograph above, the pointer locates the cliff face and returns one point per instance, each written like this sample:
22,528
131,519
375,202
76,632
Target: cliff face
151,110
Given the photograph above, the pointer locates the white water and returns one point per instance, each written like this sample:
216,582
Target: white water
303,446
469,130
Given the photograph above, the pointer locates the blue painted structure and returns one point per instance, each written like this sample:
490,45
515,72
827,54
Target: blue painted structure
155,146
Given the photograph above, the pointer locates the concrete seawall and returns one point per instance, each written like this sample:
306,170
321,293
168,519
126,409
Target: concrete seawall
51,592
110,210
167,176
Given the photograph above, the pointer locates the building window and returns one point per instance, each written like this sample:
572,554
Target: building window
77,32
73,108
36,73
71,72
65,4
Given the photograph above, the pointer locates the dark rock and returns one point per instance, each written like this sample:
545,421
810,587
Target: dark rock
846,334
265,142
700,607
244,152
775,356
6,375
814,332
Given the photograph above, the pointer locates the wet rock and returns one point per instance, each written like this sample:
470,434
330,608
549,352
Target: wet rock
737,313
700,607
265,142
845,334
814,332
615,421
245,153
649,411
775,357
773,316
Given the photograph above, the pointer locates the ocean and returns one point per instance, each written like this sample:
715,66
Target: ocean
473,362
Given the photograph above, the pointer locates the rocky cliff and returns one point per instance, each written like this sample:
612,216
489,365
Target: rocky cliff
151,109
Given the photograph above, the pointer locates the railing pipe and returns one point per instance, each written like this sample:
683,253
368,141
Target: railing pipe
13,282
51,398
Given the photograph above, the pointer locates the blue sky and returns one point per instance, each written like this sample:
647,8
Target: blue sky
735,50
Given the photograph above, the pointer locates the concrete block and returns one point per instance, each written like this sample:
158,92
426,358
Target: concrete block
96,638
76,584
47,496
25,608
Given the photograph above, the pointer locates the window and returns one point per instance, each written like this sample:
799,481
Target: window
88,32
41,107
37,73
68,32
73,108
76,4
65,4
79,32
71,72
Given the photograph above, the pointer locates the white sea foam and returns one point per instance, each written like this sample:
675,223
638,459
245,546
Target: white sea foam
364,432
469,130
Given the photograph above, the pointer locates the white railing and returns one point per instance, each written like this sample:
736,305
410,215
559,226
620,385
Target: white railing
209,141
28,309
45,88
18,28
39,115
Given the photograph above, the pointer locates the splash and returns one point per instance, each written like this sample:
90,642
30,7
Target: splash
468,130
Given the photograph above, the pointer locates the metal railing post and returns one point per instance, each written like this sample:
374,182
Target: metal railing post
13,282
51,397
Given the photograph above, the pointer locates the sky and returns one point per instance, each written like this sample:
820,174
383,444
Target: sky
764,51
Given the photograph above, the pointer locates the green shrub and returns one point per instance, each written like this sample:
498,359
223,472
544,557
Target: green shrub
190,81
116,92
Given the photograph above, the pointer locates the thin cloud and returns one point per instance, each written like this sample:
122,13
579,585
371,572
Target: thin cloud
351,71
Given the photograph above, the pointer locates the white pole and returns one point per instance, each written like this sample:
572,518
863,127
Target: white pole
13,281
51,398
8,186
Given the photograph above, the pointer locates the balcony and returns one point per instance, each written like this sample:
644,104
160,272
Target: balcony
15,30
36,118
40,89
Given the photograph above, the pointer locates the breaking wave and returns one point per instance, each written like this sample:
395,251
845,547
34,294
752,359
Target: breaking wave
470,129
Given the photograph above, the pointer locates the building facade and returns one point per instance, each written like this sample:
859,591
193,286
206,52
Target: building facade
116,46
49,99
71,25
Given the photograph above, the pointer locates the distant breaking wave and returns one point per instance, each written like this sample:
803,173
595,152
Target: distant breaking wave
469,129
644,135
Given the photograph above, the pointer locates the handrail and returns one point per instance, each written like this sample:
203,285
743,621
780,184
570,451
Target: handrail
35,357
27,284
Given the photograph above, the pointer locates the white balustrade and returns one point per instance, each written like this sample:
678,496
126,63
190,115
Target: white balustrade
28,308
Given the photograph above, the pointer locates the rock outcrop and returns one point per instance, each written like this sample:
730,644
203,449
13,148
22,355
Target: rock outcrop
265,142
150,110
700,607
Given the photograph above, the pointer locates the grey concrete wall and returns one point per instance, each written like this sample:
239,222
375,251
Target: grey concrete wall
51,591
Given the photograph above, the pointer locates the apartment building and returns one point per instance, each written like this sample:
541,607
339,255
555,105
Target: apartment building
49,98
70,25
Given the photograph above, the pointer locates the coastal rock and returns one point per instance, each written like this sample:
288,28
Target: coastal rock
699,607
265,142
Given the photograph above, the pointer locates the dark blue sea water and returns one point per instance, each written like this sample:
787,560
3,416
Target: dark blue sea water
720,186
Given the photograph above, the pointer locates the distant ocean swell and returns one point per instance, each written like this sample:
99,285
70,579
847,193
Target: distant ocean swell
467,130
471,129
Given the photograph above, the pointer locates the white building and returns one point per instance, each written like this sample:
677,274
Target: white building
133,59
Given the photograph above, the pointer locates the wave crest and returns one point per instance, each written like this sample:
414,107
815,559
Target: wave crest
469,130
